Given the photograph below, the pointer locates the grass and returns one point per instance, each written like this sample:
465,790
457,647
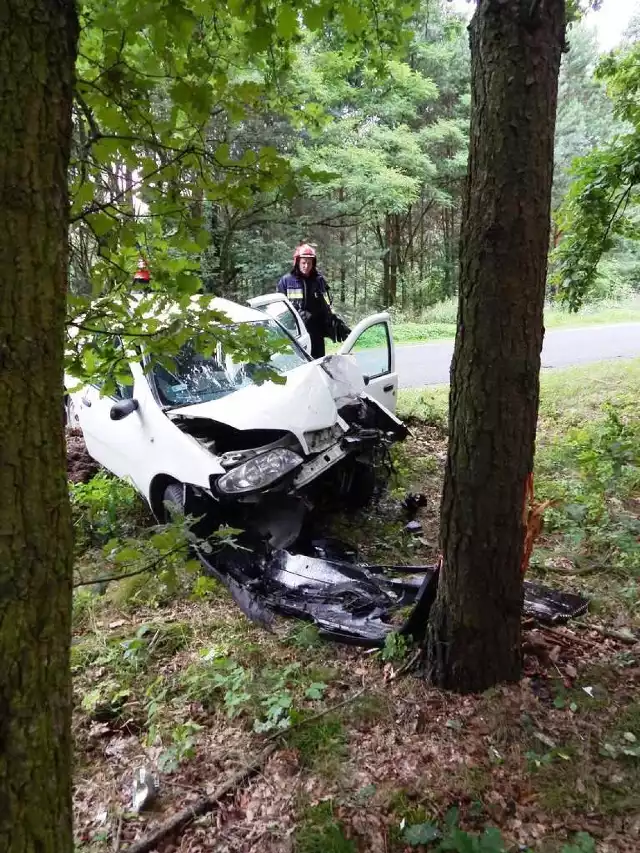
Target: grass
588,462
320,831
429,405
179,680
595,767
439,322
320,745
568,397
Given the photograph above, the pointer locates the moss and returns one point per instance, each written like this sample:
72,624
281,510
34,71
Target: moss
320,745
320,831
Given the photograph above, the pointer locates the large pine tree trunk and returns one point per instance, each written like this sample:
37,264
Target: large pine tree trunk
37,54
474,634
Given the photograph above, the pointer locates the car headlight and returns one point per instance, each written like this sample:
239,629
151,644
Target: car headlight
259,472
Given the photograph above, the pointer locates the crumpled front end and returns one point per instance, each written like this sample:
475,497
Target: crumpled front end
273,476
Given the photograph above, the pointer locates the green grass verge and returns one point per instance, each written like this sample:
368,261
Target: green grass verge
568,397
587,463
439,322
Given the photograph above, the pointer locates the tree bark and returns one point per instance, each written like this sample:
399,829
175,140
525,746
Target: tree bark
392,266
473,637
343,266
355,270
37,56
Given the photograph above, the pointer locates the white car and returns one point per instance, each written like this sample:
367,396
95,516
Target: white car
205,438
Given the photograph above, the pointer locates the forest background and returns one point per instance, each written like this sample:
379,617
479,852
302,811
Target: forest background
369,168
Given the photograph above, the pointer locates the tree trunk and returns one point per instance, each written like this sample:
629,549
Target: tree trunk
386,262
37,55
421,261
343,265
355,272
474,633
392,245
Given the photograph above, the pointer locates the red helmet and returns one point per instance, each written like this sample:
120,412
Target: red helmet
304,251
142,273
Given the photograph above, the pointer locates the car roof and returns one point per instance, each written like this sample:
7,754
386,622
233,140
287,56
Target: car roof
237,313
234,311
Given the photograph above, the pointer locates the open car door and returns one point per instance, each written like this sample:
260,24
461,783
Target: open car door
278,306
371,343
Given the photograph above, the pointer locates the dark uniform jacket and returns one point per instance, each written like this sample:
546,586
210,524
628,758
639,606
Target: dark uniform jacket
309,296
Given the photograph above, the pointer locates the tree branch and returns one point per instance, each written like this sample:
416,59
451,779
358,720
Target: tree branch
148,568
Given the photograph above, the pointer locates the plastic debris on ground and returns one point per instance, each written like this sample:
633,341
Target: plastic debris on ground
349,602
144,790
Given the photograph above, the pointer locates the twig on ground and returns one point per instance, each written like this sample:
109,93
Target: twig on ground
629,639
566,639
307,720
207,804
202,806
407,665
118,835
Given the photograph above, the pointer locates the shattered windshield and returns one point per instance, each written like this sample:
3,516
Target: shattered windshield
193,378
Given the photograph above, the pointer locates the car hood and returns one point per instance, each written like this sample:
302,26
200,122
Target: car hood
307,401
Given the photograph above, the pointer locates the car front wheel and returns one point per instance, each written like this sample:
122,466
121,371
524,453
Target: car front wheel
173,501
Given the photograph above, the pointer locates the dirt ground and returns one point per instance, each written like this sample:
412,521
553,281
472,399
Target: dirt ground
80,466
555,755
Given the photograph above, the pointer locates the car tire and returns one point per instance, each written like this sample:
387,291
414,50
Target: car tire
173,495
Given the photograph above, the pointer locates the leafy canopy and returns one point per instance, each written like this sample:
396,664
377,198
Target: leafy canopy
160,86
601,205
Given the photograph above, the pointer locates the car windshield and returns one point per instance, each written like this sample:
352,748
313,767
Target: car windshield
193,378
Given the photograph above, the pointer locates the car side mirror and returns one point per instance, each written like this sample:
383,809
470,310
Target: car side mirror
123,408
367,379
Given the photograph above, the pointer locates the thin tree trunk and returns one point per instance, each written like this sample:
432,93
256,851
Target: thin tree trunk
421,258
386,262
355,272
364,275
410,251
37,55
474,633
392,264
343,271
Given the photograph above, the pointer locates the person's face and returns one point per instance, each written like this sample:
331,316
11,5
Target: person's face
306,265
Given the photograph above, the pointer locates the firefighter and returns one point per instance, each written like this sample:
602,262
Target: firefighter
306,288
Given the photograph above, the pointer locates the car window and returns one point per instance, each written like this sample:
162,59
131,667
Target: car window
372,350
284,315
194,378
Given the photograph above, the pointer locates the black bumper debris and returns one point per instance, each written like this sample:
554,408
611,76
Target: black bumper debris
349,603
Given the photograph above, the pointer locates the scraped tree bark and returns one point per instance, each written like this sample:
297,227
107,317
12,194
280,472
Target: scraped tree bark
37,55
473,638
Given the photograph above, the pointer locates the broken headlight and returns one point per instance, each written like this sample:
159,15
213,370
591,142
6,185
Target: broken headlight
259,472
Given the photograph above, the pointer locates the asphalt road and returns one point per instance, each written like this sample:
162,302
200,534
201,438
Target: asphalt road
428,364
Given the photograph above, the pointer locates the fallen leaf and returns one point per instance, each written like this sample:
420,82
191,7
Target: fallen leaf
545,739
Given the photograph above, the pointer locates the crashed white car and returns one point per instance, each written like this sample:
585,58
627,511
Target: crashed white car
204,437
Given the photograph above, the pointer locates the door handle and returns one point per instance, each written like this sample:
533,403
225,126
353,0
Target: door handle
388,388
86,402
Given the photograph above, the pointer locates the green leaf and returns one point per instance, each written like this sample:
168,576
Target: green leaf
83,194
260,38
287,24
128,554
492,841
354,19
420,833
315,690
315,17
100,223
